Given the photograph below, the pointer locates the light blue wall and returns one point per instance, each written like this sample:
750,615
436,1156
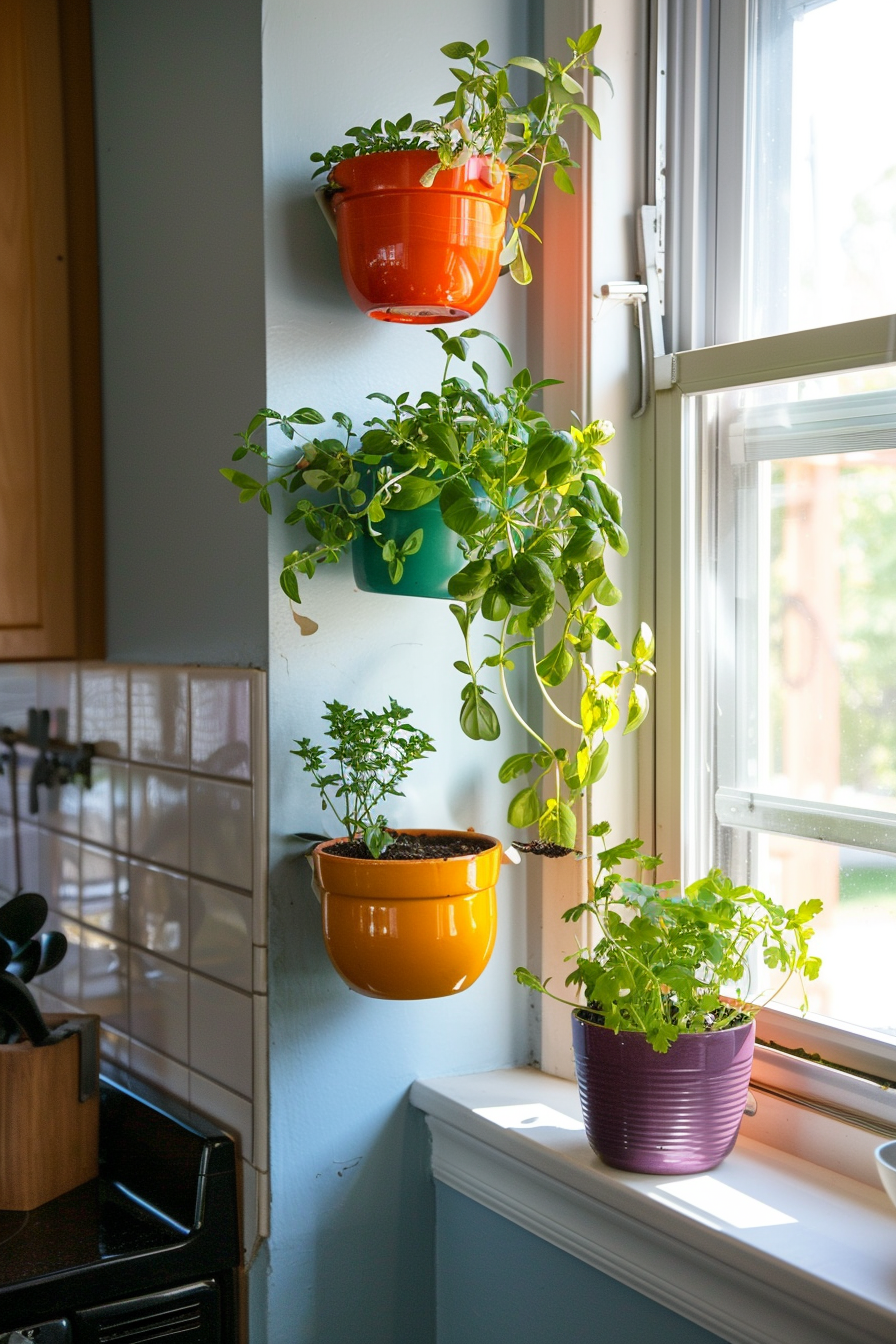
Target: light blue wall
495,1283
178,116
351,1250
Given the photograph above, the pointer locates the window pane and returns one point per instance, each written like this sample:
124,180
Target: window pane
854,936
821,188
790,676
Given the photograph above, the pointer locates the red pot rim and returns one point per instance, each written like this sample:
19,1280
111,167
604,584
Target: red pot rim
401,169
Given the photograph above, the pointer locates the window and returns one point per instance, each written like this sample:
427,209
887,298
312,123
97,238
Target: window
776,468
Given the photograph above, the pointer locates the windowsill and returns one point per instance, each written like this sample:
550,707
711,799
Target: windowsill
828,1273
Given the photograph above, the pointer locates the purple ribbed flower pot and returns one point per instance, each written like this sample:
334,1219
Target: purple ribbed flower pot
672,1113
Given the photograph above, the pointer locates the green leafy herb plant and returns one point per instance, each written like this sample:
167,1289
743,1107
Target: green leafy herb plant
482,118
534,516
667,961
369,755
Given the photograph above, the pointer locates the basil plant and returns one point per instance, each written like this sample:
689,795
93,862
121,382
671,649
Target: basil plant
534,515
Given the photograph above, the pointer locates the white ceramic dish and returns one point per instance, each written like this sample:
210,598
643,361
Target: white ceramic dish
885,1156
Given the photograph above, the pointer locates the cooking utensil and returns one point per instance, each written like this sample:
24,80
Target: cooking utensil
22,917
17,1002
26,961
53,947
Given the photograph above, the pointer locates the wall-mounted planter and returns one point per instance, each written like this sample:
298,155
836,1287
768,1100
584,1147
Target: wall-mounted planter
409,928
426,572
418,254
676,1112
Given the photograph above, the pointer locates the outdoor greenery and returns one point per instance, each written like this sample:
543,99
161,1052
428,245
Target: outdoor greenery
371,753
483,118
533,513
663,960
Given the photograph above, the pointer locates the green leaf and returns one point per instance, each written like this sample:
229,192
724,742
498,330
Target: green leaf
563,181
556,665
525,808
495,605
528,63
477,718
456,51
375,511
516,765
597,766
413,492
290,585
441,441
643,645
557,824
520,270
528,980
412,543
589,116
588,40
240,479
638,704
462,511
472,581
306,415
396,569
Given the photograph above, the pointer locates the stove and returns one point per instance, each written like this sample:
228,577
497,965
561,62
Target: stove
145,1253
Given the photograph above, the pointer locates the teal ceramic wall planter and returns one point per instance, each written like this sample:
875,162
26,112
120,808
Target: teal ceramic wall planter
427,572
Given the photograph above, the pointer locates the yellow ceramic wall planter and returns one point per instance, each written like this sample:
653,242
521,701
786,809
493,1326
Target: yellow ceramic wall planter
409,928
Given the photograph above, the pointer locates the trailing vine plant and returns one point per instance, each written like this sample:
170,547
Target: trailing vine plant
483,118
534,516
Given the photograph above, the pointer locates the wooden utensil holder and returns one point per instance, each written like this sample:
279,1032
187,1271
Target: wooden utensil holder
49,1137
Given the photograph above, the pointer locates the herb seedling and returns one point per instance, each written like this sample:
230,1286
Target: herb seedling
372,753
483,118
664,959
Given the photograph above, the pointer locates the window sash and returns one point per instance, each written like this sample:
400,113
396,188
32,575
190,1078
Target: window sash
687,801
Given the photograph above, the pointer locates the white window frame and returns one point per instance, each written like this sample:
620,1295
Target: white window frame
710,141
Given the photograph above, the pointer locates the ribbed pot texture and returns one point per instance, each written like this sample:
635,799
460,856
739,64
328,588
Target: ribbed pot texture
673,1113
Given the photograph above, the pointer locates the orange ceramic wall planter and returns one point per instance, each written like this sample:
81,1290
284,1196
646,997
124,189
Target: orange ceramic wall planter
419,254
409,928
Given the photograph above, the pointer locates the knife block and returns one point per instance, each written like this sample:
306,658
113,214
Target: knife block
49,1138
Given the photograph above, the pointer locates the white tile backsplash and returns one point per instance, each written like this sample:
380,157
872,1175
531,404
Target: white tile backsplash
104,806
231,1112
58,691
221,1034
221,832
159,1004
220,724
160,1070
160,726
104,978
104,709
160,911
160,819
221,933
59,864
105,890
157,876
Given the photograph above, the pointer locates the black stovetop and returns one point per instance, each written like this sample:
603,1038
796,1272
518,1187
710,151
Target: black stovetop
163,1212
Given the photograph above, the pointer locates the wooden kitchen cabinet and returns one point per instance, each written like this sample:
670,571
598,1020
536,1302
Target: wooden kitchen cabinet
51,516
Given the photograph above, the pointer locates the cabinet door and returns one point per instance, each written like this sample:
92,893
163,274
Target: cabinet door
38,559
